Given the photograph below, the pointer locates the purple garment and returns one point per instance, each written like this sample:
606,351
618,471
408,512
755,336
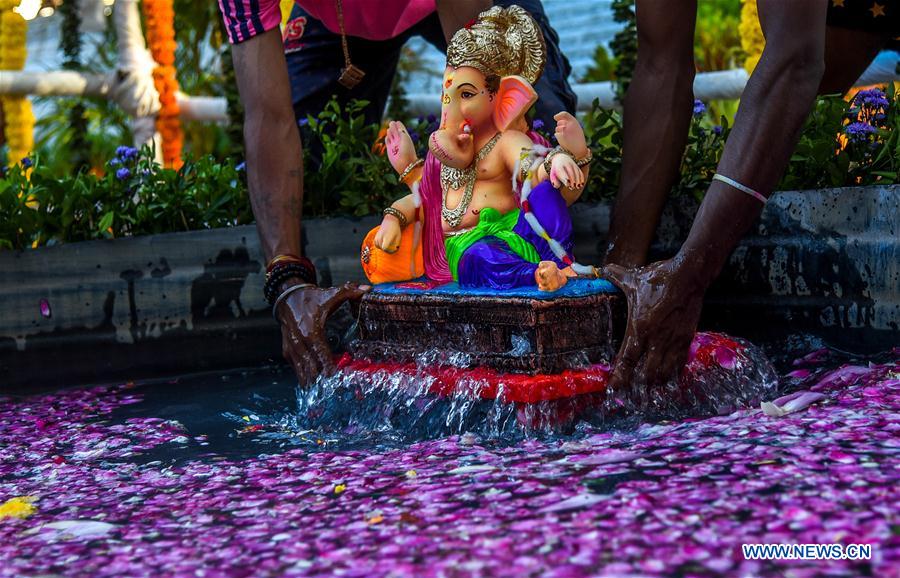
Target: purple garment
490,262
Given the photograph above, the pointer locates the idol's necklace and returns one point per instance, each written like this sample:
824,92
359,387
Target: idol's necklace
452,178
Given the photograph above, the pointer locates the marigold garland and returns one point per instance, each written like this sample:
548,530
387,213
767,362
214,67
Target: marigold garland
159,17
18,119
752,40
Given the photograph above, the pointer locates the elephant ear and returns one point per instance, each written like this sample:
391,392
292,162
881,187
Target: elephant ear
515,96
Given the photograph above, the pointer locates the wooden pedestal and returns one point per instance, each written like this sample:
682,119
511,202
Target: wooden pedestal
510,334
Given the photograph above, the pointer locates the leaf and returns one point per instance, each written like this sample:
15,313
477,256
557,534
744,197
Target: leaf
106,222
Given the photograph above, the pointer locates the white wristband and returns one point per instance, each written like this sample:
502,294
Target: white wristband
742,188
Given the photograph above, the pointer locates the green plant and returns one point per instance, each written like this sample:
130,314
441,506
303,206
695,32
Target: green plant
135,197
603,131
352,176
603,68
848,143
105,127
717,40
842,143
73,134
702,153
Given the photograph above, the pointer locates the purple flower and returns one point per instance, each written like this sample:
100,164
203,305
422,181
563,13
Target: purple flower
114,162
859,132
431,118
123,174
126,153
241,166
871,98
718,129
303,122
699,108
538,124
414,136
26,162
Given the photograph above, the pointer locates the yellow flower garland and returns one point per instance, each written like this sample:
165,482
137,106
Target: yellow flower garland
752,39
18,119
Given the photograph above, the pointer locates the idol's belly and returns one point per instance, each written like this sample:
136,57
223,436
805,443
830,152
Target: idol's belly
496,195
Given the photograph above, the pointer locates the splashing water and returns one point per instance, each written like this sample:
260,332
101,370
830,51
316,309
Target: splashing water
439,395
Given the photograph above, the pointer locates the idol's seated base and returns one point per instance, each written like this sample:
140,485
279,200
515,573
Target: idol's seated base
516,331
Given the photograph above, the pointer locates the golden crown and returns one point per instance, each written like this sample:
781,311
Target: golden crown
502,42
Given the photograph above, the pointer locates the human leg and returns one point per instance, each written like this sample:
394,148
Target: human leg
656,119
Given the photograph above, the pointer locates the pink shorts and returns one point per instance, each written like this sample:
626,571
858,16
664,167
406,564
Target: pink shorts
245,19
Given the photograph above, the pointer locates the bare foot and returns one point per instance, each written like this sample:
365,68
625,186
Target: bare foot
550,277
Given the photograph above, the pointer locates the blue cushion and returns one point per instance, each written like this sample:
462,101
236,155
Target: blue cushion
574,288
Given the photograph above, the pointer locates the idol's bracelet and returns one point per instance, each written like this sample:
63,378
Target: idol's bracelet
549,159
396,213
585,159
410,168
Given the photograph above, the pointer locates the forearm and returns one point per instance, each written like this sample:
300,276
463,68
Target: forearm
656,118
406,206
413,177
756,155
272,143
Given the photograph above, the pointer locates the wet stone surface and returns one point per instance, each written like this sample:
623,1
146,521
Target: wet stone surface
217,480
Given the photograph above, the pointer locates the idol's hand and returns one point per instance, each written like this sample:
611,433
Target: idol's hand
570,135
564,172
388,236
664,304
400,148
302,316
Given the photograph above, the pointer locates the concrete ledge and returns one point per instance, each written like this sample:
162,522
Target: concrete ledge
827,262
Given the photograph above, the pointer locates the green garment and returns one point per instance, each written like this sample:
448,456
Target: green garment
490,224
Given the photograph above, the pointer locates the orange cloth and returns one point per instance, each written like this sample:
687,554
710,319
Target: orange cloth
383,267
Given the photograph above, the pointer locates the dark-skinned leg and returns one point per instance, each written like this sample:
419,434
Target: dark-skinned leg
274,155
665,298
656,119
275,178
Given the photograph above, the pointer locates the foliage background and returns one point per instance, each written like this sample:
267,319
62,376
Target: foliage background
119,191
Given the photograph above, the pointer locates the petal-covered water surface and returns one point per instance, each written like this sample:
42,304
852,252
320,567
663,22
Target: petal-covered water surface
656,499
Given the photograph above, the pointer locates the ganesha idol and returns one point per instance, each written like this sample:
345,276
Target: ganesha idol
488,206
